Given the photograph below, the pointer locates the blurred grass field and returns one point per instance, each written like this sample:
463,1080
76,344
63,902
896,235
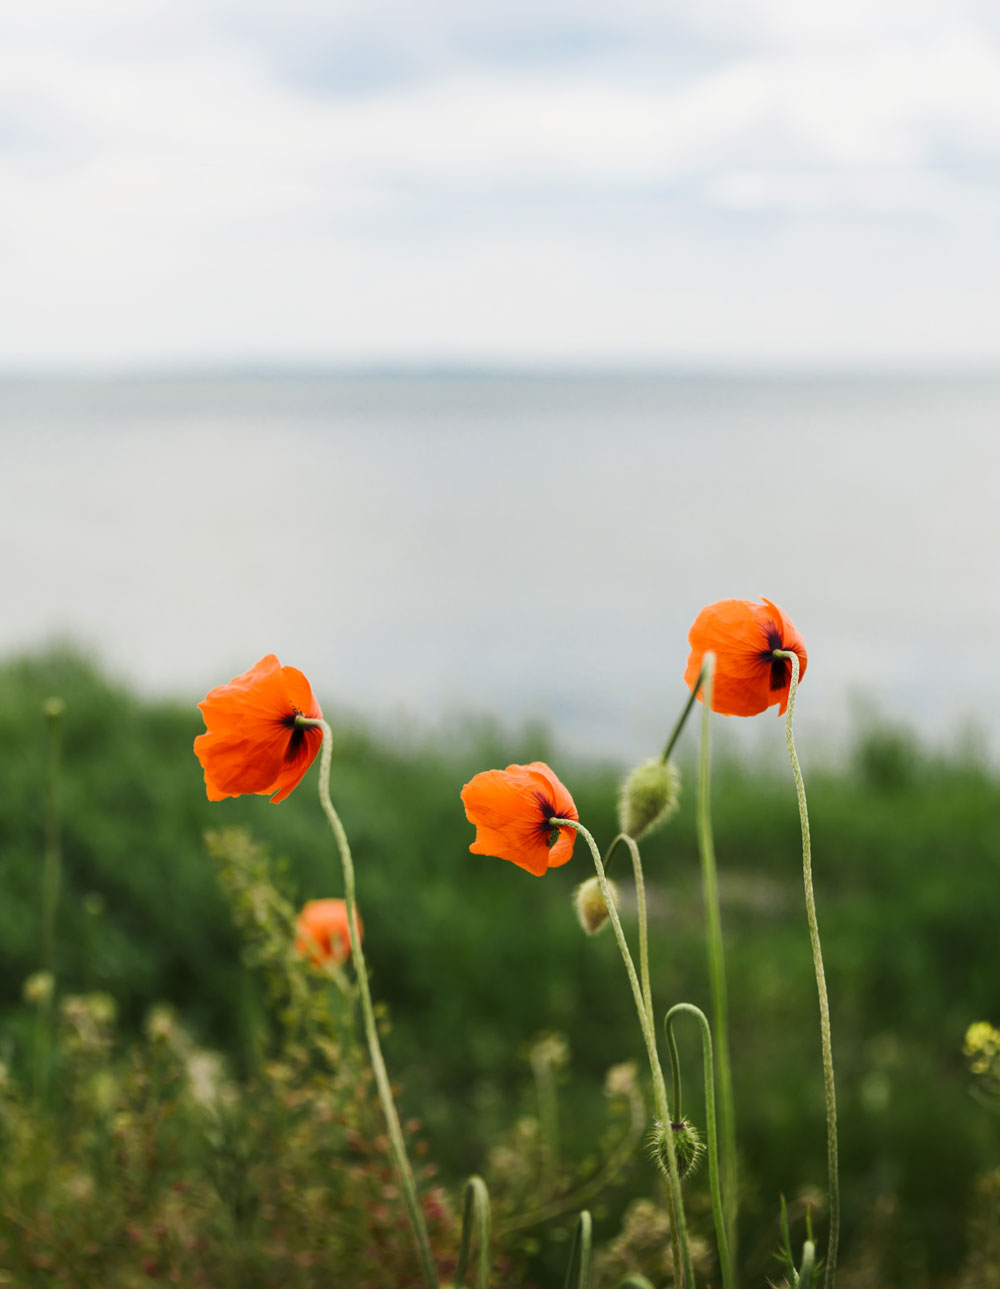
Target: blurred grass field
475,959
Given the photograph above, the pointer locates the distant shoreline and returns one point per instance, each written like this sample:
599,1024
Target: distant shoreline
457,371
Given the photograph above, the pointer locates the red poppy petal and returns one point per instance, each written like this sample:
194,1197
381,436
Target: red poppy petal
547,782
299,693
494,797
531,853
235,765
294,771
741,696
562,852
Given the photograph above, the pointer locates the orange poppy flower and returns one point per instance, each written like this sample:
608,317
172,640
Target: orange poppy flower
322,931
743,637
252,743
511,810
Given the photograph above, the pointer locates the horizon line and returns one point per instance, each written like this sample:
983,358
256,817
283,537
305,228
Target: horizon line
457,369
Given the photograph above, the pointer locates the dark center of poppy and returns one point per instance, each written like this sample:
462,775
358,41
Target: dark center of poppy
780,667
548,810
298,735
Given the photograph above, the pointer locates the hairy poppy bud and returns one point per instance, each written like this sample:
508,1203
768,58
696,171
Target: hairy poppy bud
648,797
688,1147
591,909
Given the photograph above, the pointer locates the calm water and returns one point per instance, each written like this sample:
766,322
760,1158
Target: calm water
532,547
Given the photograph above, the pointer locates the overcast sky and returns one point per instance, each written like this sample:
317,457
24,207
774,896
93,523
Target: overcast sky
763,182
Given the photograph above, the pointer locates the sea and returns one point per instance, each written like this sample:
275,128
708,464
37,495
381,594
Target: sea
532,548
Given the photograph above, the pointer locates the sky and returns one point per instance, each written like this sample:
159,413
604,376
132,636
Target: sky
765,183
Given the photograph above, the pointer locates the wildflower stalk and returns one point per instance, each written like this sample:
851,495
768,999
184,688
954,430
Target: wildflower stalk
640,897
718,1213
681,721
477,1206
396,1141
678,1226
817,953
716,958
579,1254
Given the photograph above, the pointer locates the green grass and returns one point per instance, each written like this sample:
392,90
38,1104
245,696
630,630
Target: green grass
475,958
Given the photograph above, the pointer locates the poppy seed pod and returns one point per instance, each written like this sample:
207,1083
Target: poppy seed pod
688,1147
648,797
591,910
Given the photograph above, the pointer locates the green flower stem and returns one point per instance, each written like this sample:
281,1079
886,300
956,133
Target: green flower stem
718,1213
716,958
579,1255
477,1206
678,1226
640,897
675,733
368,1012
817,953
609,854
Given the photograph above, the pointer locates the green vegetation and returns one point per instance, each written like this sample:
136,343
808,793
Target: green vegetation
475,960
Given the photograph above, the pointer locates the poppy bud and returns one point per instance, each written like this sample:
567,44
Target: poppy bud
688,1147
648,797
591,910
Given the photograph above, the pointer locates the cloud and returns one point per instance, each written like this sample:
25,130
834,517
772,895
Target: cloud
166,151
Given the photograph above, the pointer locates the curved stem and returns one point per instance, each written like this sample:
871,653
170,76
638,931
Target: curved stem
579,1254
817,953
675,1068
477,1205
718,1212
609,854
640,898
716,958
678,1225
368,1012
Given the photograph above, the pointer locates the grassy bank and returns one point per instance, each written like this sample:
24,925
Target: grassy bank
475,959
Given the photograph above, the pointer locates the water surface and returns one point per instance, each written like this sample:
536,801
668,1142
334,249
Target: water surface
534,547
